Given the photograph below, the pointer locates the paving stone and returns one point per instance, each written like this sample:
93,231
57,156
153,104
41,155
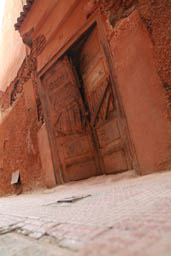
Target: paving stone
14,245
75,232
71,244
24,232
36,235
126,215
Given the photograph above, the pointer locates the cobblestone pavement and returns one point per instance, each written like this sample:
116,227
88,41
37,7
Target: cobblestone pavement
122,215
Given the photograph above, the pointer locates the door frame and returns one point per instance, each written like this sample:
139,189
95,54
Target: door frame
123,125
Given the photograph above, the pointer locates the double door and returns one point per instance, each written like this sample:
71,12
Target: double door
83,115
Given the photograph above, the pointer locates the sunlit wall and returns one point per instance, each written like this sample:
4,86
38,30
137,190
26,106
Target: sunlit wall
12,50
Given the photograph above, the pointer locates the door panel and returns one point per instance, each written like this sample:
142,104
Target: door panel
115,162
83,117
101,101
108,133
68,119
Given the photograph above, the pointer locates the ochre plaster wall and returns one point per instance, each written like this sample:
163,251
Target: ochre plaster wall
19,145
142,93
12,50
156,15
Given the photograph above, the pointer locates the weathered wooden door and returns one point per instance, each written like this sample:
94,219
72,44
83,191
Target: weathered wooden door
84,117
69,123
102,106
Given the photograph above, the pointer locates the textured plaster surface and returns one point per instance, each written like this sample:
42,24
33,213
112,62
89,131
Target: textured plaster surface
19,148
12,49
157,18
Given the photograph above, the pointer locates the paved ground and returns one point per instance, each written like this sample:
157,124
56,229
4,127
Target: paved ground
122,215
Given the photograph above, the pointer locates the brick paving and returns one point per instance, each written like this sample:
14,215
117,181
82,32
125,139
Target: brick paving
125,215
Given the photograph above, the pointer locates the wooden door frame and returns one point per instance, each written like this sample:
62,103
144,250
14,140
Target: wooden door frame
56,161
95,18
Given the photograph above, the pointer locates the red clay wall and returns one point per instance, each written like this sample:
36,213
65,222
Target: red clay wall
19,148
138,56
156,15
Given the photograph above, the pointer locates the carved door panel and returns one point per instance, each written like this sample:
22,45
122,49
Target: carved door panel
70,127
102,106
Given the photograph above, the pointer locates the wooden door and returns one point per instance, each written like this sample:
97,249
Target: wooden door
102,106
69,124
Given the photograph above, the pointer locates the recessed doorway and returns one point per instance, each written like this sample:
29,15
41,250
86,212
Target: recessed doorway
83,111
